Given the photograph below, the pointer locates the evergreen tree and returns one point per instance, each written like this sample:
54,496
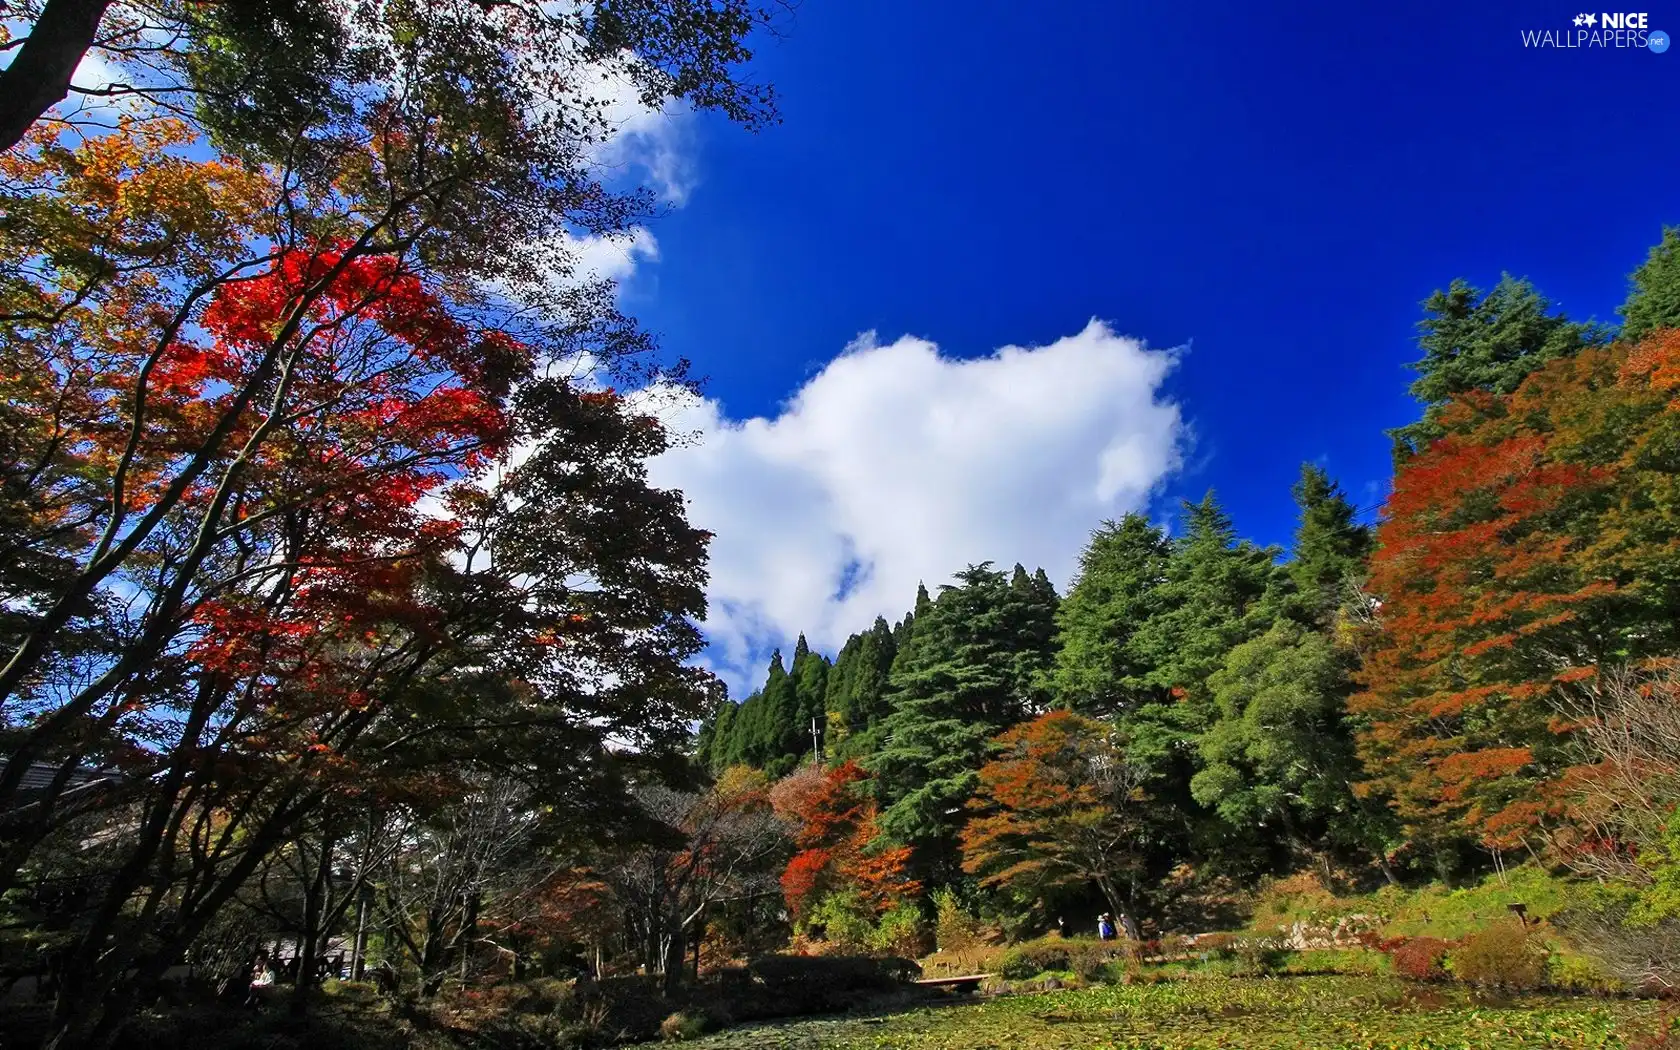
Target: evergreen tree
1471,341
1330,545
965,673
857,687
1033,604
1097,671
1281,752
1654,301
1213,598
810,685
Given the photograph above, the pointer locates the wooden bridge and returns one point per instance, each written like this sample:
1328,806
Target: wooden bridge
957,985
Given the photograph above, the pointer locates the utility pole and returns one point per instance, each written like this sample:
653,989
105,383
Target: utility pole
816,746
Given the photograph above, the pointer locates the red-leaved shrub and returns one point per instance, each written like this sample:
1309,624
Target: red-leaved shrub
1420,958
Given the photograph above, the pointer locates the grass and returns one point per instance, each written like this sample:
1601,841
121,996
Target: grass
1291,1013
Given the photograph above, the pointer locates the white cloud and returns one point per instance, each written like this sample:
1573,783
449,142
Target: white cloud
613,257
895,465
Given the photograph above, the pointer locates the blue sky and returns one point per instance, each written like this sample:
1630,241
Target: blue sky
1277,188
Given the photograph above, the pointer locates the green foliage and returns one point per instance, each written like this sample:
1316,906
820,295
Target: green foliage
955,929
1097,669
844,921
1280,749
857,688
1654,301
1471,341
974,664
902,931
1330,546
1209,601
1197,1013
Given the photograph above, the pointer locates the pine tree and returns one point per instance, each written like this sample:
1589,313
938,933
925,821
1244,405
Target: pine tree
1654,301
1213,598
1471,341
956,683
857,687
1097,670
810,685
1330,547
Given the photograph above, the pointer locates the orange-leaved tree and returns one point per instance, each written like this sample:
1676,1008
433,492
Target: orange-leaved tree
1058,806
1534,543
834,822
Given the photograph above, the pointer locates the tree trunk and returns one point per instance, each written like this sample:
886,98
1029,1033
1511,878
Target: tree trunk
676,953
39,76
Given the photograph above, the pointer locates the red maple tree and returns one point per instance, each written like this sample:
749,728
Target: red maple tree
1534,543
834,832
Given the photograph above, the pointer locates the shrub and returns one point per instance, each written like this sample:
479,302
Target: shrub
1419,958
682,1025
902,932
1501,956
1260,954
844,921
955,930
1217,945
1033,958
798,984
1582,975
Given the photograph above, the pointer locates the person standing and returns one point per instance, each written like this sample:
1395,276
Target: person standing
1105,927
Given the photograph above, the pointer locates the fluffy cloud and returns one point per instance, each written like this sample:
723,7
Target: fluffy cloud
895,465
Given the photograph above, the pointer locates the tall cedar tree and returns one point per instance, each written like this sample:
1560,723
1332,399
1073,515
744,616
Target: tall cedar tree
1654,301
1330,548
1098,670
1280,750
1533,543
1471,341
973,665
1214,597
857,687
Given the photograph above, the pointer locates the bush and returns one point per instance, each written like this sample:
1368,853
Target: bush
1419,958
901,932
1582,975
681,1025
844,921
955,930
809,984
1033,958
1260,954
1501,956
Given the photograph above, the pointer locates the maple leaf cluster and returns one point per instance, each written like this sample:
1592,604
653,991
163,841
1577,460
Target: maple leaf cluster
835,834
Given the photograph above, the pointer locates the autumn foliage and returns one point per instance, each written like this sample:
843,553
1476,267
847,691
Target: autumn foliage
1058,806
834,823
1534,542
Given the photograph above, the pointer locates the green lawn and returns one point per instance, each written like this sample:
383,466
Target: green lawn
1309,1013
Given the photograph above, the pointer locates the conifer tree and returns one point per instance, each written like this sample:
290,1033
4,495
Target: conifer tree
1654,301
1212,599
1330,546
964,675
1471,341
1097,670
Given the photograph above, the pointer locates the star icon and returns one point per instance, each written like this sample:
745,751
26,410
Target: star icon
1580,20
1592,20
